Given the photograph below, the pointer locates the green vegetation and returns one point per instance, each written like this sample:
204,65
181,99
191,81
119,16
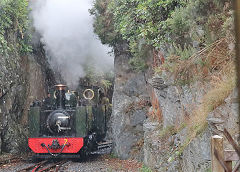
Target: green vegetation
209,170
168,131
171,130
113,155
176,25
145,169
141,22
103,25
14,21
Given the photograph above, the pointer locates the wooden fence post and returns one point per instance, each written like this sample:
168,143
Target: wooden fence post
229,157
217,144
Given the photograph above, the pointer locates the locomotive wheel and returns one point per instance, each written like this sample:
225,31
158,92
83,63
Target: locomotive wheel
89,146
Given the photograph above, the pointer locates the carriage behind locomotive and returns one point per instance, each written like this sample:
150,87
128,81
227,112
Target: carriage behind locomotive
69,124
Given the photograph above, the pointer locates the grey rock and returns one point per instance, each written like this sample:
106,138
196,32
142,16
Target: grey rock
127,118
137,118
22,79
158,82
177,105
215,120
196,156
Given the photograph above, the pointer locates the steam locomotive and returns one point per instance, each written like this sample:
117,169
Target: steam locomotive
69,124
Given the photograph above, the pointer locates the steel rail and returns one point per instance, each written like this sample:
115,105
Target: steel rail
33,166
57,165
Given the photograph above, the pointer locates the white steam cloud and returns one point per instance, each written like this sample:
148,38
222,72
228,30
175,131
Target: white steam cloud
67,33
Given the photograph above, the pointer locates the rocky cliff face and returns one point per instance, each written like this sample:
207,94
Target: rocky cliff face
174,142
168,145
13,95
197,51
130,106
23,79
188,115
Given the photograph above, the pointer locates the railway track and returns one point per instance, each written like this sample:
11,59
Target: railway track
44,166
10,160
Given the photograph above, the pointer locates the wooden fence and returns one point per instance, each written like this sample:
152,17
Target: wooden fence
222,160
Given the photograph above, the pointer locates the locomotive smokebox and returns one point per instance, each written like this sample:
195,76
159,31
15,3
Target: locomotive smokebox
60,96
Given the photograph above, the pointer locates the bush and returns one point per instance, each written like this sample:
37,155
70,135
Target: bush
182,52
103,23
192,24
14,20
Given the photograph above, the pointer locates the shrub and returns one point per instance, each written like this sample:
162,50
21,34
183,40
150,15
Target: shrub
14,20
160,24
103,22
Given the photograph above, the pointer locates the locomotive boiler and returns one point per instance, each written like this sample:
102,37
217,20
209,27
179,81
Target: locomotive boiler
69,124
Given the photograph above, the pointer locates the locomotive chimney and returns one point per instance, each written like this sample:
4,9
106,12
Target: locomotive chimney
60,96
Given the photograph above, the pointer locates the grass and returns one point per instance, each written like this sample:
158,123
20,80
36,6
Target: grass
181,149
145,169
214,67
168,131
215,97
215,63
211,60
113,155
211,100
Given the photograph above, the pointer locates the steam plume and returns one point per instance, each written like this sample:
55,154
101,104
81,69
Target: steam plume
67,33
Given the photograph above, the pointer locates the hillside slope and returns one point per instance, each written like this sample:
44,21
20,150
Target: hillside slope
178,58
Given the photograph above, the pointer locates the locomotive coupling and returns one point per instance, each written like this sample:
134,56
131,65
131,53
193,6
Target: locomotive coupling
55,145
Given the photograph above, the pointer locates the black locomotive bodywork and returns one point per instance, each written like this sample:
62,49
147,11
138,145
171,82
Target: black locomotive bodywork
68,124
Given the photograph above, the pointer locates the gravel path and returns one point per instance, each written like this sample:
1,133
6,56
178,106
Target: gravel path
94,164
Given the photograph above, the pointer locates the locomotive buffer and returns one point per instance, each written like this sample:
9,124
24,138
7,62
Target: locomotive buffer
103,148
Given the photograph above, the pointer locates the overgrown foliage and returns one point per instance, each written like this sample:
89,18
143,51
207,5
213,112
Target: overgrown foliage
104,24
188,25
14,21
212,47
142,21
215,59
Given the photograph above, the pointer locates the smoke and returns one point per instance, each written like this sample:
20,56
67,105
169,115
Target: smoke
66,28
